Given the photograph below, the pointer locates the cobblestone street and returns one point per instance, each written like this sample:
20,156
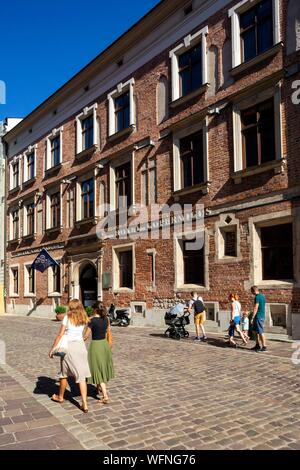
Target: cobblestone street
167,394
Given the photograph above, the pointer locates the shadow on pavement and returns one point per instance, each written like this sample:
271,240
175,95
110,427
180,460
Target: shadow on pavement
48,386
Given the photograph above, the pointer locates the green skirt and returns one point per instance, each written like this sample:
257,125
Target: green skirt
101,362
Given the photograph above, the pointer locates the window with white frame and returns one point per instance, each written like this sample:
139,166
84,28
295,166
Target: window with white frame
70,207
54,279
190,157
257,130
15,224
53,209
123,268
190,262
189,64
29,281
15,174
86,129
14,280
54,149
85,197
29,219
121,108
148,186
255,28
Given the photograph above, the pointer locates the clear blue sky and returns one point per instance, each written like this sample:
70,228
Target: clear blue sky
45,42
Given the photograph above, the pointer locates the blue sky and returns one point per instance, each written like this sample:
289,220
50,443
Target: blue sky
44,43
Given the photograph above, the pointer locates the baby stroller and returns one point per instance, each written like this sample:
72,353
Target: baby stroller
176,319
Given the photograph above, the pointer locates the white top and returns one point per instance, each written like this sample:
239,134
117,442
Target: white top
73,333
237,308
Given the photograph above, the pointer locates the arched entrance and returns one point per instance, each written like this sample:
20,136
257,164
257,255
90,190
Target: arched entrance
88,285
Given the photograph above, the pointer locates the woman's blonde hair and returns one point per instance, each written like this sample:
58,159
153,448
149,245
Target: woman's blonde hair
77,314
233,297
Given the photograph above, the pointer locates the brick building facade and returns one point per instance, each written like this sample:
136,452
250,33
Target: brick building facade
196,104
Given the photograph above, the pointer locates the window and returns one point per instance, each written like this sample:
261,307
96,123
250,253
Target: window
87,132
122,112
15,280
149,182
258,134
15,224
256,30
189,64
190,70
15,175
87,199
193,264
55,210
87,129
123,186
30,166
277,252
55,151
191,157
230,243
30,280
121,108
30,210
56,285
125,269
70,207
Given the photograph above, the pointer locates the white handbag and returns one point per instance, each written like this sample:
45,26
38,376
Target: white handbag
62,347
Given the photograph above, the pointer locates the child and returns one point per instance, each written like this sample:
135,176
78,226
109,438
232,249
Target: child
245,324
231,331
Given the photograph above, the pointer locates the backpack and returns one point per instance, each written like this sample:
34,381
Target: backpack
198,306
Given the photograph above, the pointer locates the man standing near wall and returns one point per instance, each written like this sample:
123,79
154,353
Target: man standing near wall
258,319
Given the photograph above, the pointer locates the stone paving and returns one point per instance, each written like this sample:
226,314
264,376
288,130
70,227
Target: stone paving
168,394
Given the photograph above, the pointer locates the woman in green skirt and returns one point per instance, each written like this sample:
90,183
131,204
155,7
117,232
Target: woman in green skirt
99,354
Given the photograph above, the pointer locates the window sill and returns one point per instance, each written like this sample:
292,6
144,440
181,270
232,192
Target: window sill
190,96
202,187
229,259
54,294
29,296
123,290
87,152
277,165
272,284
89,220
53,230
122,133
191,287
51,170
29,182
15,190
31,236
256,60
14,241
14,296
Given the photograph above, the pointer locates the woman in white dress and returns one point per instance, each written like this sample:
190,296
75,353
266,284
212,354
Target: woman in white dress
75,362
236,310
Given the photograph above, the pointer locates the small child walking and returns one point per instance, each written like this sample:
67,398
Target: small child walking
245,324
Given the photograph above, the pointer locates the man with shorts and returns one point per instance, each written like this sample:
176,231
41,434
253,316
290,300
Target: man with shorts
196,304
258,319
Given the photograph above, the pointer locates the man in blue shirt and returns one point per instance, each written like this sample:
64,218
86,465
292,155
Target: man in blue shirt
258,319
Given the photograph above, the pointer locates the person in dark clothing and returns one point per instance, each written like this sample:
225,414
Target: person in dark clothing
99,354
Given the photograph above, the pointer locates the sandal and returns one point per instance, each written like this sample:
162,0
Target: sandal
85,410
56,398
